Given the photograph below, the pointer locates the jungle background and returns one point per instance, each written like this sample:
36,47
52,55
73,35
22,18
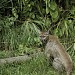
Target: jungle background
20,22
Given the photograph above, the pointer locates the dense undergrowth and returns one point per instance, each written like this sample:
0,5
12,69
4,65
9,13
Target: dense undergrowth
20,24
36,66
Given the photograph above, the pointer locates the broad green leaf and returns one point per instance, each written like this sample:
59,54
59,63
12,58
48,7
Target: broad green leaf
66,27
63,30
47,10
53,5
72,10
56,31
54,14
14,12
55,19
74,46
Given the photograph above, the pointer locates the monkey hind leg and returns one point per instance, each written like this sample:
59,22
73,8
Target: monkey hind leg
68,69
69,72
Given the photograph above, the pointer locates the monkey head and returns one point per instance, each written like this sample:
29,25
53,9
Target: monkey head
44,37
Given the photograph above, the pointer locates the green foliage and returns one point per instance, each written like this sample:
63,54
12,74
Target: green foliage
21,21
52,9
8,32
36,66
29,33
20,24
43,23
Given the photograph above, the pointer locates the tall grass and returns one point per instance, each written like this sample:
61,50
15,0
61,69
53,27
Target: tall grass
35,66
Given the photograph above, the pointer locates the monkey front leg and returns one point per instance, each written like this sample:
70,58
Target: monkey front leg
49,58
57,64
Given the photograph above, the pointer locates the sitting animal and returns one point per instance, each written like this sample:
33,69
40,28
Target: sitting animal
53,47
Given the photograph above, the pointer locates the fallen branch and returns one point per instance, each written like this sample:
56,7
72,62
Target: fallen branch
19,58
14,59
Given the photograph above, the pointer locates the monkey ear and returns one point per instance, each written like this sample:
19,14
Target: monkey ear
47,32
